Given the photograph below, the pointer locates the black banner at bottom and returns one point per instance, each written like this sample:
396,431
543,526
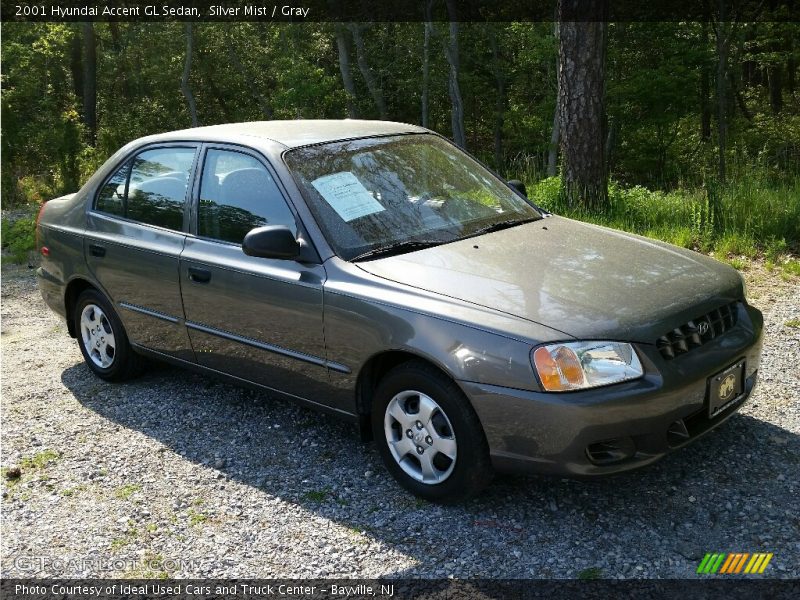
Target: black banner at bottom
400,589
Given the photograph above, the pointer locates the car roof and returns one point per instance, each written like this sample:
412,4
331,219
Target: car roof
291,134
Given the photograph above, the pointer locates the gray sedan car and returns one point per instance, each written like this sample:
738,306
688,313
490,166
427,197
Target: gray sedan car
375,271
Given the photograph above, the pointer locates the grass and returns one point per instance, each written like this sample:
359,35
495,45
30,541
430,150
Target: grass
126,491
791,268
793,323
590,573
118,543
67,492
196,517
39,460
316,495
745,219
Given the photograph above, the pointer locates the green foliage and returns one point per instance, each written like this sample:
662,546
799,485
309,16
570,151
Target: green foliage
791,268
126,491
253,71
317,495
19,238
591,573
748,217
39,460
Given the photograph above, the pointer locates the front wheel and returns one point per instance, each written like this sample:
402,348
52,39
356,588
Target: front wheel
102,338
429,436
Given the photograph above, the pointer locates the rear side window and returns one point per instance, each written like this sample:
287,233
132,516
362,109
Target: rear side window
111,198
150,188
237,194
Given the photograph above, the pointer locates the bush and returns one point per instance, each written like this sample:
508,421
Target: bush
33,190
19,238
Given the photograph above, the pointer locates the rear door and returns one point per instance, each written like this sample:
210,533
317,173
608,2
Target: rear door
255,318
135,234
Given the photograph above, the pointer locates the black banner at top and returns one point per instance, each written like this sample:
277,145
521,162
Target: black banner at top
400,10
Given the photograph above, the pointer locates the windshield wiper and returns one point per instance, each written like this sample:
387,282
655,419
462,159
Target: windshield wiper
501,225
397,248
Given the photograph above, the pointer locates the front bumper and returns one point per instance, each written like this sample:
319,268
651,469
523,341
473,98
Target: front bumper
620,427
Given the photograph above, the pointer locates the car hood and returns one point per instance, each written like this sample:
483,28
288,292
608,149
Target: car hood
583,280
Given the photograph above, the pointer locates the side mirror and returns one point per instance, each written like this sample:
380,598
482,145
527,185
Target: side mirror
271,241
519,187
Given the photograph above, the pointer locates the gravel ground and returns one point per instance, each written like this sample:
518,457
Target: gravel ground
177,474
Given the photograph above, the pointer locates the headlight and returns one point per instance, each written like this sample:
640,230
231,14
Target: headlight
580,365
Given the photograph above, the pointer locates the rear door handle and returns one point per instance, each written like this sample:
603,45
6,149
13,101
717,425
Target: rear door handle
199,275
96,250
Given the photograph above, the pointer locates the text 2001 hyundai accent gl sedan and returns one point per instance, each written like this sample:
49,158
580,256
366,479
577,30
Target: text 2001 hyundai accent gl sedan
374,270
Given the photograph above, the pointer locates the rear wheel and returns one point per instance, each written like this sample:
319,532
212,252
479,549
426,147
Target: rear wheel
428,434
102,338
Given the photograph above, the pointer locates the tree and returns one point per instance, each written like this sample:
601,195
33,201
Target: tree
724,31
369,78
89,81
581,106
426,61
502,95
555,133
249,82
456,103
187,69
705,76
344,69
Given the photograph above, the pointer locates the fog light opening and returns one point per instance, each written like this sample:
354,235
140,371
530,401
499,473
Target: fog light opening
611,451
677,433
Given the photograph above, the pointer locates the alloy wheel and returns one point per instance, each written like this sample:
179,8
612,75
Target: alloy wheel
97,336
420,437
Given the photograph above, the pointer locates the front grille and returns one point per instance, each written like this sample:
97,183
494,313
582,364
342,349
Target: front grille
698,331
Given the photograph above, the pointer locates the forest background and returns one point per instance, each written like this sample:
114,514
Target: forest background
684,131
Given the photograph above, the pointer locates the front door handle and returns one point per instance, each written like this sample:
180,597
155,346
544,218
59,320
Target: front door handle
96,250
199,275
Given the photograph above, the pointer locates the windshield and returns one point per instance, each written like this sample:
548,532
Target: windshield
401,193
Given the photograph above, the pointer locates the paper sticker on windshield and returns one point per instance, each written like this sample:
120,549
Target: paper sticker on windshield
347,195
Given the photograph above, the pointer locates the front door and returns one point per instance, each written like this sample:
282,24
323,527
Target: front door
255,318
134,237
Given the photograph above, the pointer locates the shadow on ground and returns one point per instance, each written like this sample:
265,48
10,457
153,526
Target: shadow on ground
724,493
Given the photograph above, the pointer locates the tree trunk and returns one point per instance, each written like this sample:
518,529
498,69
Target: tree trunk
344,69
581,81
90,81
426,61
121,68
76,64
187,69
500,103
724,31
705,78
363,66
611,141
263,105
555,135
775,88
456,103
737,95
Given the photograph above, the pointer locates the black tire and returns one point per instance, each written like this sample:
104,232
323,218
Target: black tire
471,470
124,362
